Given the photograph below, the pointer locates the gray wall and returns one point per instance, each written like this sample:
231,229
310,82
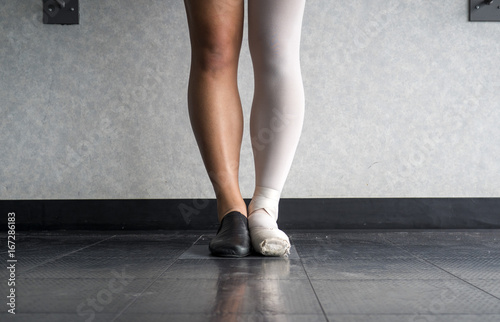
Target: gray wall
401,96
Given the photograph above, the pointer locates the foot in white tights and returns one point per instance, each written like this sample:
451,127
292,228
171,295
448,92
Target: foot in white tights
266,237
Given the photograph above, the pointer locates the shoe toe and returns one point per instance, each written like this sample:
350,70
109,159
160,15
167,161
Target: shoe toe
232,239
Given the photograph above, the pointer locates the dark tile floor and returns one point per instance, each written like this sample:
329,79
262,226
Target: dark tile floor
329,276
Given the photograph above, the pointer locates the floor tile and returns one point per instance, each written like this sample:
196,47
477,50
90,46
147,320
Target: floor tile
403,297
373,268
52,247
290,269
53,295
253,317
99,267
484,237
198,251
328,251
338,237
470,267
452,251
132,248
490,286
414,318
227,295
56,317
205,239
356,275
25,263
170,238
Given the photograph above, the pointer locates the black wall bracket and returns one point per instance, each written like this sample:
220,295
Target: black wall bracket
63,12
484,10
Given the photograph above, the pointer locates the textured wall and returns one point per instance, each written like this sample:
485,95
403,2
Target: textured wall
401,96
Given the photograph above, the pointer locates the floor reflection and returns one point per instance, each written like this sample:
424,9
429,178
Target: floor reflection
249,286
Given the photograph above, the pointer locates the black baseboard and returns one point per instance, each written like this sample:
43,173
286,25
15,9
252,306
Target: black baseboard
200,214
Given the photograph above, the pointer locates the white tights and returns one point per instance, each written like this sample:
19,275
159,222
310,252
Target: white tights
277,112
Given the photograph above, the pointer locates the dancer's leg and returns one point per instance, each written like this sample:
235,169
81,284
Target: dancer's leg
277,112
216,28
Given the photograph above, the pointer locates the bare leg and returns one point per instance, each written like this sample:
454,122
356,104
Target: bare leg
216,31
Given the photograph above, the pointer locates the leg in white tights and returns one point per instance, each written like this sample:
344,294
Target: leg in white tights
277,113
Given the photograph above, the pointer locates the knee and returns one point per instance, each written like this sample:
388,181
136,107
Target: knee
275,59
217,52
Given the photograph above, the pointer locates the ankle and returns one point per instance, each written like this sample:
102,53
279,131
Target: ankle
230,200
265,200
223,210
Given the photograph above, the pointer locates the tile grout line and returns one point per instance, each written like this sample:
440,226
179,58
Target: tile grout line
310,283
194,243
154,280
444,270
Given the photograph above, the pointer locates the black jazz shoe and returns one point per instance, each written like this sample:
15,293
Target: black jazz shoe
233,238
